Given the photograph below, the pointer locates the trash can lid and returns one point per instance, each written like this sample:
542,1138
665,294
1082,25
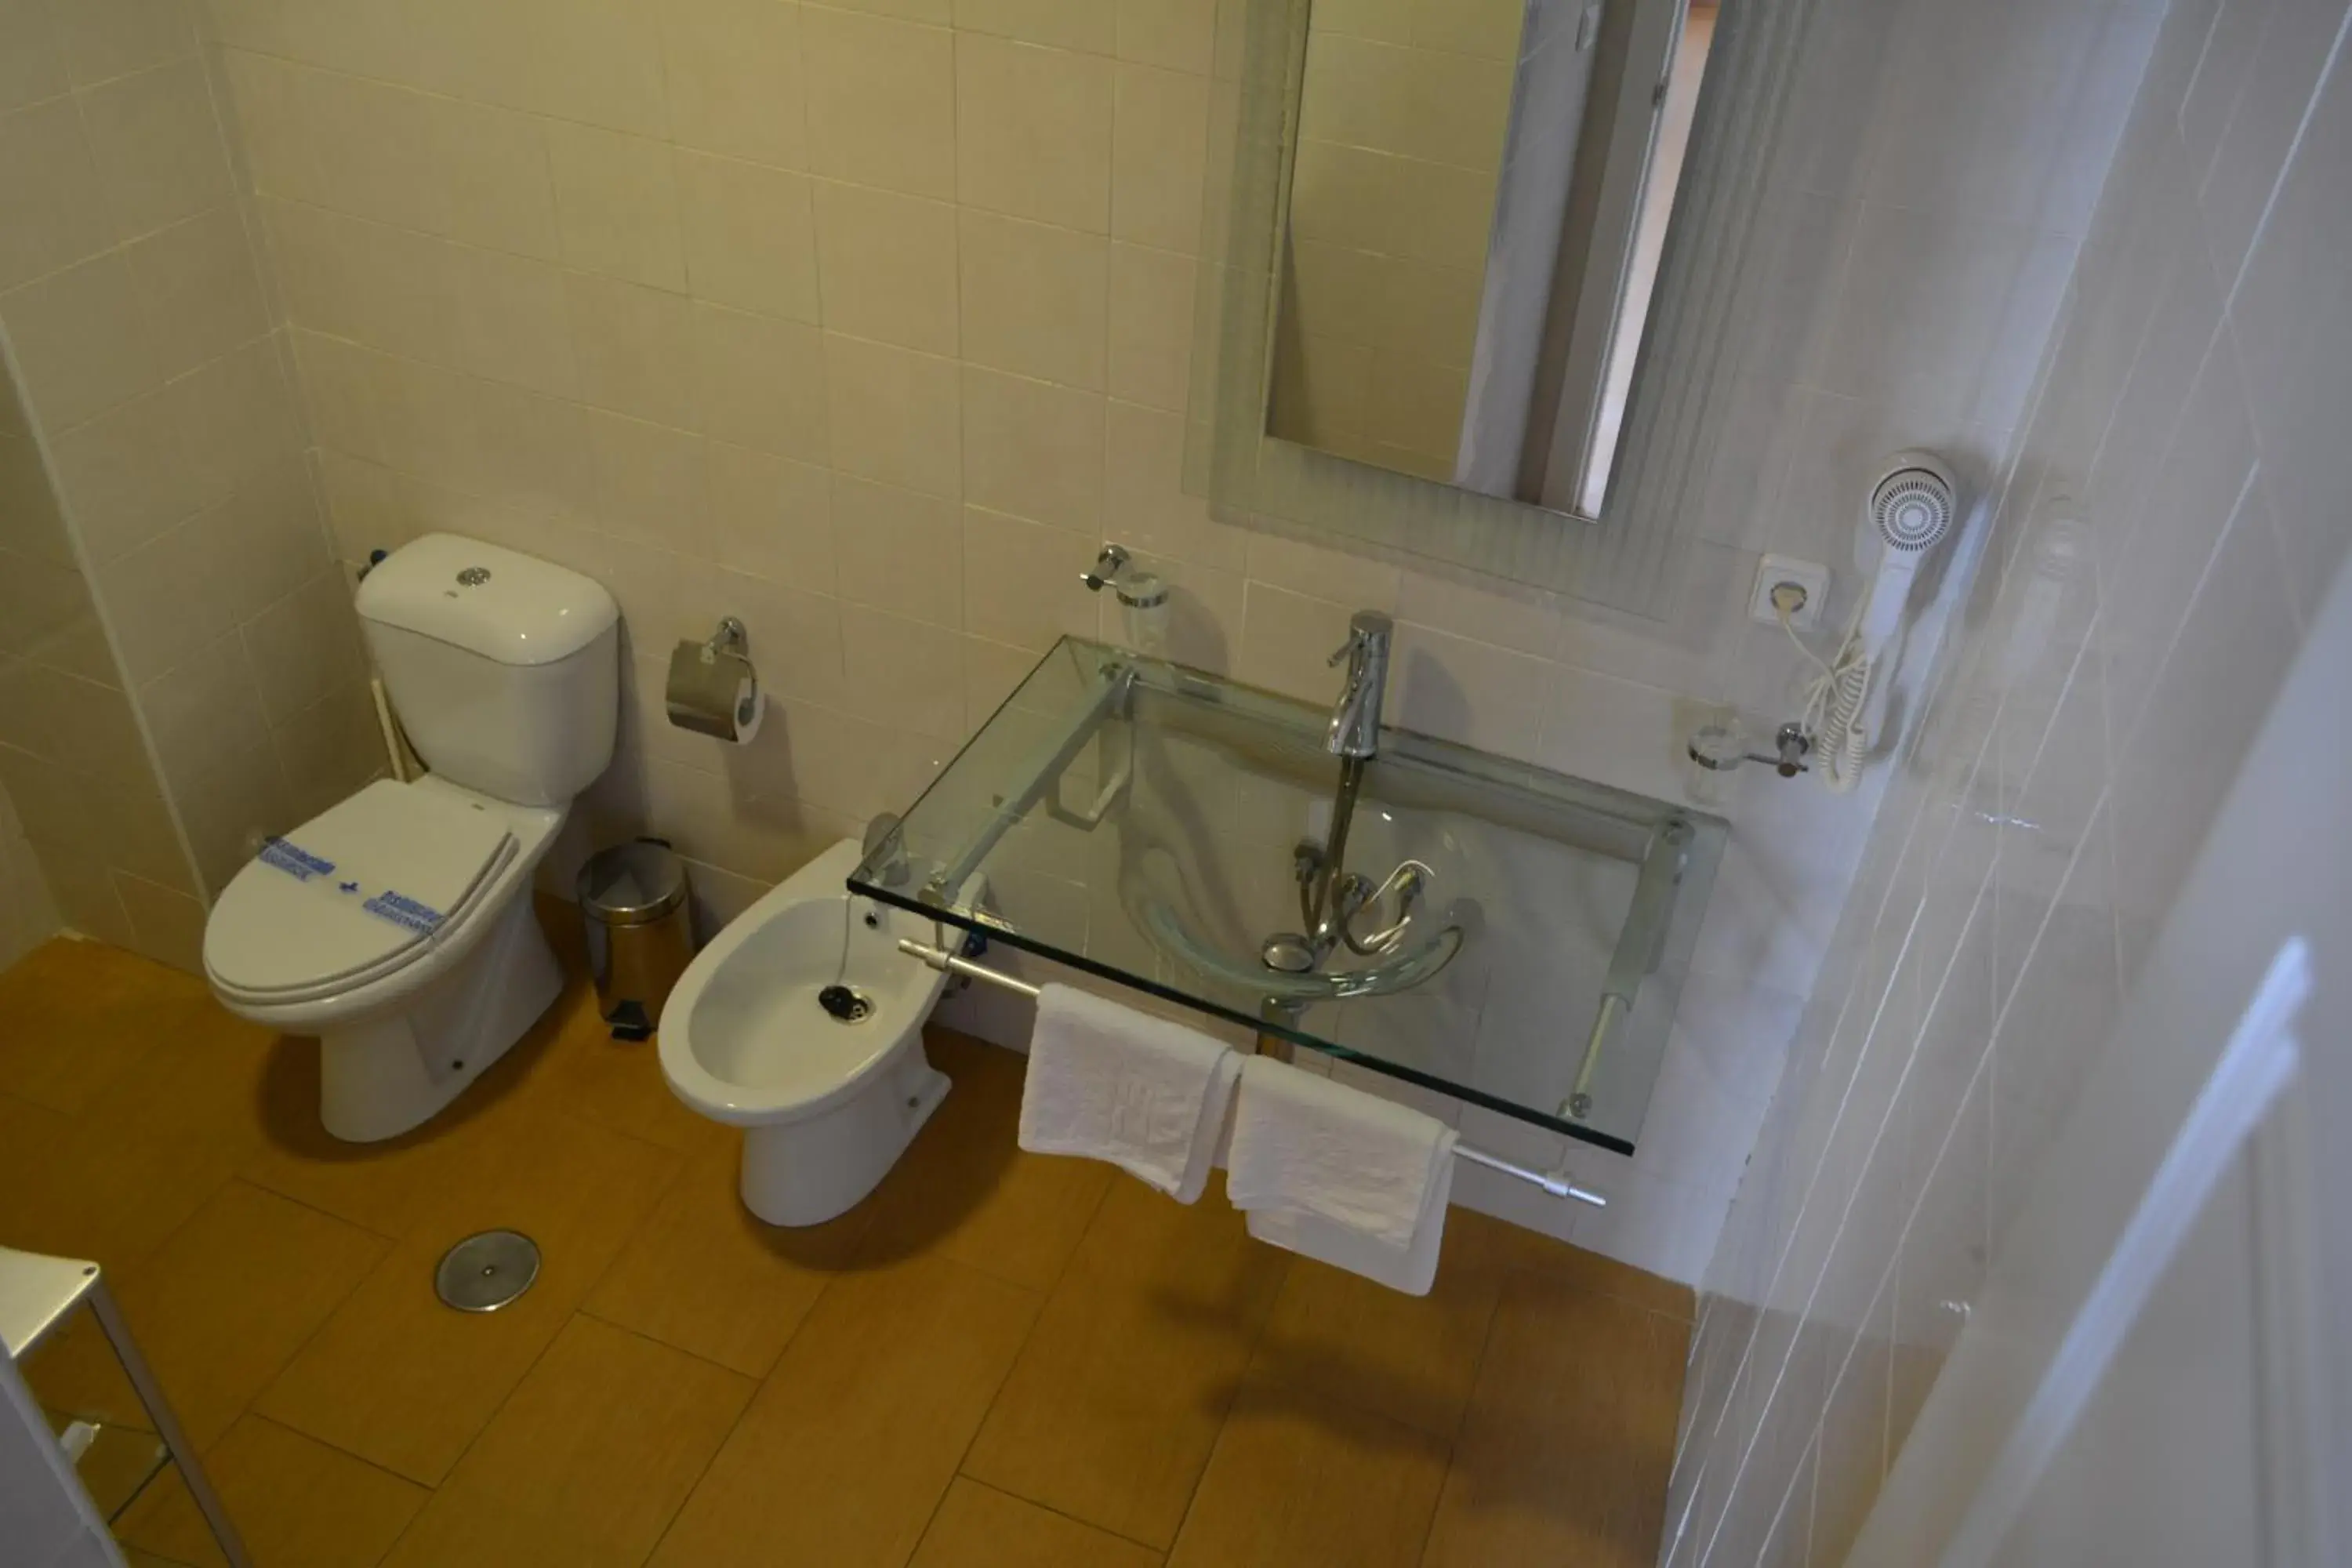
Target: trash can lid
631,884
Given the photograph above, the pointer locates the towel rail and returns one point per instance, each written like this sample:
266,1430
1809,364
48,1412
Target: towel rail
1553,1182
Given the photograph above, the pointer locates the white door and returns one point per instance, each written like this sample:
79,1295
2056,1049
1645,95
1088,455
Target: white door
2158,1370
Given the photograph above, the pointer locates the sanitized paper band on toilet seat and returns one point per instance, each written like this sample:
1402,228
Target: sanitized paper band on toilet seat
384,903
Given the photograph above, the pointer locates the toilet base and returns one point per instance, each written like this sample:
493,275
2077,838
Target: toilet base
810,1170
382,1077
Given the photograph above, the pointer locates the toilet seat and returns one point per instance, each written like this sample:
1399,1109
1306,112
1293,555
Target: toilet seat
359,892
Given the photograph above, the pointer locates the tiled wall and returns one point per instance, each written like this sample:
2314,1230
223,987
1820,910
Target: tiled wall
142,335
868,323
89,839
27,914
2175,512
1402,123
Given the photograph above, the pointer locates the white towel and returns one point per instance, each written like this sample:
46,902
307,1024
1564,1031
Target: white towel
1111,1083
1341,1175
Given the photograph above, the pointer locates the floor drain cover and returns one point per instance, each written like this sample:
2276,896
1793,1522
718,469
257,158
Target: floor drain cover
483,1273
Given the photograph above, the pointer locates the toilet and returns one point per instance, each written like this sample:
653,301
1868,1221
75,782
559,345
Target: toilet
802,1022
396,926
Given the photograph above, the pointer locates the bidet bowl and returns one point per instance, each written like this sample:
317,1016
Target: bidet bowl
829,1096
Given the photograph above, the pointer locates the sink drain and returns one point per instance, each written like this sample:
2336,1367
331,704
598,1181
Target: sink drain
845,1004
483,1273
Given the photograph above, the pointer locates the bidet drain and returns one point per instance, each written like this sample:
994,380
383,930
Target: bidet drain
484,1272
845,1004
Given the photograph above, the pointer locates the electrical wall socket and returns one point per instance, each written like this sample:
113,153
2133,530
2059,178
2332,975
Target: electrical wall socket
1813,578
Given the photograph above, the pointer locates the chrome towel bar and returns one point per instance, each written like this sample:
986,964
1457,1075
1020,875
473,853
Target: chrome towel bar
1555,1183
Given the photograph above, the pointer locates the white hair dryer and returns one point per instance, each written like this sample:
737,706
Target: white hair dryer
1910,509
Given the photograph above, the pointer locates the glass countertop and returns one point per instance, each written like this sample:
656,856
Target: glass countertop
1524,942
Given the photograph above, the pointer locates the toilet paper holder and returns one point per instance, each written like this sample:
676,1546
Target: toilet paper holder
712,688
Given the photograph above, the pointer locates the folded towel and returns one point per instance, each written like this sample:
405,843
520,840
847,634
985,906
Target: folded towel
1111,1083
1341,1175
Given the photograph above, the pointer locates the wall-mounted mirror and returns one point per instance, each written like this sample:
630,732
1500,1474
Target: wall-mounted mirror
1479,192
1471,274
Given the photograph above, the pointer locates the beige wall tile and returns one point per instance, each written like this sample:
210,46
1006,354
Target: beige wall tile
1174,34
734,69
1034,299
1151,326
330,750
616,202
587,1460
304,646
939,11
635,348
650,484
49,188
881,101
797,631
265,538
201,287
1020,581
750,238
595,61
235,419
492,168
497,444
107,38
122,478
1144,493
1033,449
895,415
1159,155
1032,128
902,672
760,383
771,516
887,264
337,392
32,57
1432,104
164,601
1086,25
80,341
158,150
898,550
846,1449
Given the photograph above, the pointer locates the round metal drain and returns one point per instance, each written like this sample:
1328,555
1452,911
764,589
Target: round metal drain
1286,952
845,1004
483,1273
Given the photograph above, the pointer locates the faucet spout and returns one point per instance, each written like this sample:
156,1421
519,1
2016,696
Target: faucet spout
1355,717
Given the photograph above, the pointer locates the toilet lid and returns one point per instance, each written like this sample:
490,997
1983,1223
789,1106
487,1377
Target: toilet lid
355,892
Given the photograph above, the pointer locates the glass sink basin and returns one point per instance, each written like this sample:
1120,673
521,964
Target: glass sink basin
1145,821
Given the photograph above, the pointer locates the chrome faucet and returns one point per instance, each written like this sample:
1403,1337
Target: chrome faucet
1355,717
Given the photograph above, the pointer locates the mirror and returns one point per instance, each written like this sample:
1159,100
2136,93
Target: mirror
1478,205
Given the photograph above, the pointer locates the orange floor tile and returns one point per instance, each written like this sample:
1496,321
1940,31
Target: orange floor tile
997,1359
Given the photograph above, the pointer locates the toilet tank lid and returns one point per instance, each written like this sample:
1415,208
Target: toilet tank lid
501,604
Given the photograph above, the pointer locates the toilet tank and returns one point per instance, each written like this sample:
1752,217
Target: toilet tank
504,668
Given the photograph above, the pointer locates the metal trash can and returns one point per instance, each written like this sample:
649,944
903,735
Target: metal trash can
640,932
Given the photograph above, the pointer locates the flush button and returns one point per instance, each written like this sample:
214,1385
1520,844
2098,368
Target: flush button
472,576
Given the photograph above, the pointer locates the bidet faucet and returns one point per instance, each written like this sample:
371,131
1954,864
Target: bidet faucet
1355,717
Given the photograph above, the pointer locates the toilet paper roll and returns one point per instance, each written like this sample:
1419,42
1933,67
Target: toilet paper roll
714,693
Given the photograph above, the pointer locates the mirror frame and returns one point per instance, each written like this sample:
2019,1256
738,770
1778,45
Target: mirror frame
1629,558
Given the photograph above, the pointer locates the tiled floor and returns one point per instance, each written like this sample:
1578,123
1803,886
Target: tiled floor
998,1359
